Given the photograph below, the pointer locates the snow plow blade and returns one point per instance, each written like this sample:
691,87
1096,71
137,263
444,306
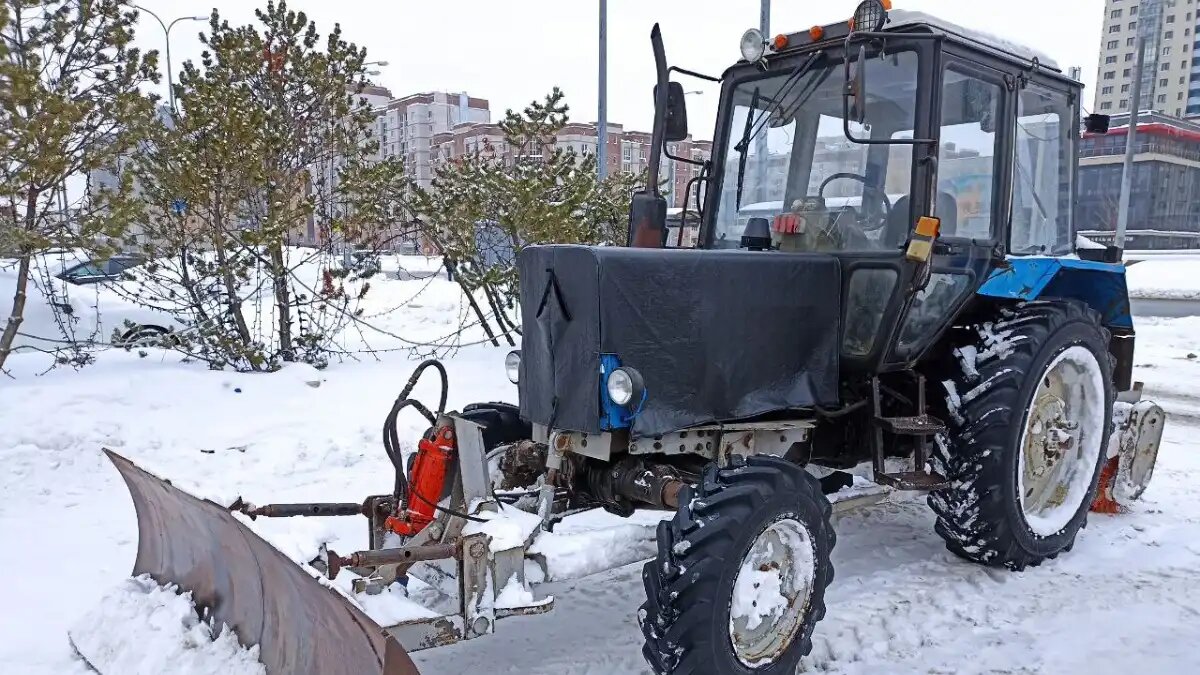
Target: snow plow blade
237,579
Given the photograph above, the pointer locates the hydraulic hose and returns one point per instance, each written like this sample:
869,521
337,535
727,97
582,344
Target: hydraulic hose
391,439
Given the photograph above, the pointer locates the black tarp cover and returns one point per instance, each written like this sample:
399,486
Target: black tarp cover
716,335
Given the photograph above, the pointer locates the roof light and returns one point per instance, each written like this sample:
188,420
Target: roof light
816,33
753,45
780,43
870,16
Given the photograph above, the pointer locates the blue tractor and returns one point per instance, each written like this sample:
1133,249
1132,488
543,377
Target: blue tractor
886,282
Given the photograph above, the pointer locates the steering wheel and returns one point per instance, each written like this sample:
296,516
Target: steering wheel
865,217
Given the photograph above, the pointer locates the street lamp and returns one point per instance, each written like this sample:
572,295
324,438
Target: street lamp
167,30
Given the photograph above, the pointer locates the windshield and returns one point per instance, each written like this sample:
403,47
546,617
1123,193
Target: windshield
788,159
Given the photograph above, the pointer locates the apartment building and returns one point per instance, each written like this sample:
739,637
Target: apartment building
628,151
406,126
1170,77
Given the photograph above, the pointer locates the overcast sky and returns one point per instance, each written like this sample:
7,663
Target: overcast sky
511,52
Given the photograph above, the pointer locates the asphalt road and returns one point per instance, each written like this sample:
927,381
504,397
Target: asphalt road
1165,308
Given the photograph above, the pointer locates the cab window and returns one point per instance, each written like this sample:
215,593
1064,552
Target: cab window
968,156
1045,148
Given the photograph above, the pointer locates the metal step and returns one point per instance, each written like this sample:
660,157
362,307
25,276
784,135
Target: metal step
921,425
913,480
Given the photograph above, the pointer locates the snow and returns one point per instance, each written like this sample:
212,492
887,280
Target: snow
1122,601
159,633
903,17
1165,279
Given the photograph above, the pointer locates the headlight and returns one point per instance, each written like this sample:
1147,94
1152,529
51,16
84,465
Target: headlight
512,366
754,45
624,386
870,16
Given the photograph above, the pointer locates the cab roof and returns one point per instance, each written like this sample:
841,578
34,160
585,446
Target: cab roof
901,21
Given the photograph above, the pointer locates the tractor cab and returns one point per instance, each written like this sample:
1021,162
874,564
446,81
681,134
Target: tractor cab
917,152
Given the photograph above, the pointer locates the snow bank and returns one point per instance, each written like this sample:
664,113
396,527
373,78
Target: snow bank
159,633
1173,279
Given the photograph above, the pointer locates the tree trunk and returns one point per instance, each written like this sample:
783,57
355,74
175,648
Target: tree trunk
283,301
16,316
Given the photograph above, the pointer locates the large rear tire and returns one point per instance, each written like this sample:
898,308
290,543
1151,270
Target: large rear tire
1029,402
739,580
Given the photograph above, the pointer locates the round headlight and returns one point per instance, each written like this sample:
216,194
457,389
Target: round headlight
870,16
512,366
624,386
754,45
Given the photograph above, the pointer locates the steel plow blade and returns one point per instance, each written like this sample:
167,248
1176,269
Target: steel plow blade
239,580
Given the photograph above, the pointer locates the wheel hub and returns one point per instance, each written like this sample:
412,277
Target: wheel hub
771,592
1061,441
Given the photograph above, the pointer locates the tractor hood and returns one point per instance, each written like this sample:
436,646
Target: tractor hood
716,335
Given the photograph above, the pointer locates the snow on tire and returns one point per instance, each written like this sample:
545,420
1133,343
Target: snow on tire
1029,399
739,580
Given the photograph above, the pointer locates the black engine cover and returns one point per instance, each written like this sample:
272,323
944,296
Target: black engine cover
716,335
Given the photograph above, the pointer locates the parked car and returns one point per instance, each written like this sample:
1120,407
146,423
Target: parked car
75,300
98,271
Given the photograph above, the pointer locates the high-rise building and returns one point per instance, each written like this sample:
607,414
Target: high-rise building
406,126
1170,78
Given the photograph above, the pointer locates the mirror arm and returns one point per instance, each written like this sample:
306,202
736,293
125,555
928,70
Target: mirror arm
685,160
846,97
685,71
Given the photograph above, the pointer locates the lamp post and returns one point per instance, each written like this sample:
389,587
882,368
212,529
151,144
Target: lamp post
167,31
602,112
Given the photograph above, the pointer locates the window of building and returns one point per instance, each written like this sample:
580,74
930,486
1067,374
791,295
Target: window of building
1166,67
1163,82
1126,73
1124,103
1106,105
1166,50
1132,25
1115,14
1133,10
1128,58
1130,42
1110,75
1042,180
1114,28
1111,59
1162,98
1179,96
1124,88
1106,90
1171,19
1169,35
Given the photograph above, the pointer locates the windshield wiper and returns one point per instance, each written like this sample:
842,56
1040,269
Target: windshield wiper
755,125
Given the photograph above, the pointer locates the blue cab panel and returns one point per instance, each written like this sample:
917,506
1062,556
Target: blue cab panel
1101,285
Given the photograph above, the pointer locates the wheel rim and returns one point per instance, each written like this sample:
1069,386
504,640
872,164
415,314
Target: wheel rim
1061,442
771,592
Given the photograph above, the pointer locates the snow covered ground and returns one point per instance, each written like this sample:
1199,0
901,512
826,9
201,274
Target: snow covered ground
1125,599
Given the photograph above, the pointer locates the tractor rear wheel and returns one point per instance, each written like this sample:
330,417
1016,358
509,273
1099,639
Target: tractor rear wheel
1029,401
739,580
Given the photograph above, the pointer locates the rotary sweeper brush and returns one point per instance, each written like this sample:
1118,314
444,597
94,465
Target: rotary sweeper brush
886,276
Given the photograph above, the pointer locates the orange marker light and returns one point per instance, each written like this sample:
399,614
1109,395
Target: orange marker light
781,42
887,5
852,23
928,227
817,33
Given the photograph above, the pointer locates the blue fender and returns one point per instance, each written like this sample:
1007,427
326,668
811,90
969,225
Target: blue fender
1101,285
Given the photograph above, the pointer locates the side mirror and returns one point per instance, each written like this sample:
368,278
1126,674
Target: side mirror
647,221
1097,123
677,123
856,88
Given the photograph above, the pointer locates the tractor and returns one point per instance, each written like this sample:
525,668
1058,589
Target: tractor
887,280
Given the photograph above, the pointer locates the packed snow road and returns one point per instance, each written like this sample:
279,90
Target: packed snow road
1123,601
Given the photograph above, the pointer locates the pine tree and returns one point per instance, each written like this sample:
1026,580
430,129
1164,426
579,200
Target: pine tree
297,150
70,104
487,205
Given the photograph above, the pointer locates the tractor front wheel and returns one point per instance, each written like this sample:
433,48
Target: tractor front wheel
739,580
1029,400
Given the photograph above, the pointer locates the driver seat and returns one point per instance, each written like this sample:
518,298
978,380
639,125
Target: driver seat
899,225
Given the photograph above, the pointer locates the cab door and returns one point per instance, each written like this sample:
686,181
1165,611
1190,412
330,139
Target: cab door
970,194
